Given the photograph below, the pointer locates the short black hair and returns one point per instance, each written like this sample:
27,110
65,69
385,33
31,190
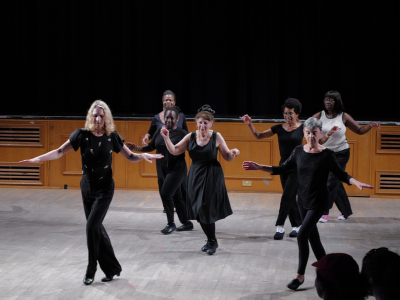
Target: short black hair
338,107
292,103
173,108
168,92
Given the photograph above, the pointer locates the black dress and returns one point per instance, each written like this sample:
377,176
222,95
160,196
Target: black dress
207,198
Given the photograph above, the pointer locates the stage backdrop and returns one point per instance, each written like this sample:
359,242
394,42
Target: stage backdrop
239,56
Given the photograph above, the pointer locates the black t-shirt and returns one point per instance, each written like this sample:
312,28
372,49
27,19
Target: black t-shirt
313,170
288,140
157,142
96,152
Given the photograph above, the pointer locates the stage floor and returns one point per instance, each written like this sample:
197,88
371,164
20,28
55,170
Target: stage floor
43,252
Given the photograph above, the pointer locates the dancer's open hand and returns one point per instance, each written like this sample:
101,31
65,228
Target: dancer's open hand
30,161
246,119
333,130
250,165
149,157
360,185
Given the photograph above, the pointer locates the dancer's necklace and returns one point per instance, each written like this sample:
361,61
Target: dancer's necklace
201,138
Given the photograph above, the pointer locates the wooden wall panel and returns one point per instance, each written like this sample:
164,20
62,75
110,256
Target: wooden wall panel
364,164
381,162
15,154
68,169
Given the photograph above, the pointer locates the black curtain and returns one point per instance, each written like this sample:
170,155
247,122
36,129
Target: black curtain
239,56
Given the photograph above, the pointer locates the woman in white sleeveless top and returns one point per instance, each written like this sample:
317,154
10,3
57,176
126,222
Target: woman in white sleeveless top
334,123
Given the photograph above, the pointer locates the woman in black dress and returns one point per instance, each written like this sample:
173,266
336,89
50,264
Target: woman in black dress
290,135
97,142
207,198
173,171
168,100
313,163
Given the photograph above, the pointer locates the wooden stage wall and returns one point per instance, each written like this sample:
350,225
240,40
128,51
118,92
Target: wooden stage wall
370,161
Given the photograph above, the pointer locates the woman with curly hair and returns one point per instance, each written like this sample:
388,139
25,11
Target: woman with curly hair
97,141
290,134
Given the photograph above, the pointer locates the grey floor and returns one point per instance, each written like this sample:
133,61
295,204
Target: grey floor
43,251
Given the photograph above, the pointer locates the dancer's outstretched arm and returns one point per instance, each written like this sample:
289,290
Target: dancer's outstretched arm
52,155
360,185
258,135
356,128
134,157
178,148
326,136
250,165
227,154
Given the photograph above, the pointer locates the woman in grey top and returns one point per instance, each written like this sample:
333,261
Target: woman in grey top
334,123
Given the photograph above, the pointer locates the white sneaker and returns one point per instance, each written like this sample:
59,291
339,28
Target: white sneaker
324,219
280,229
341,217
280,232
294,232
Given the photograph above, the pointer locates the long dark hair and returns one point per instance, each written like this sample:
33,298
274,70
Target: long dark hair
338,107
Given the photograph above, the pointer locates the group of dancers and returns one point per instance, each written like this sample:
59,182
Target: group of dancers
309,171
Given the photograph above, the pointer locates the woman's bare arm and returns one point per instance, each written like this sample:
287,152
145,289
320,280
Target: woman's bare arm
252,166
52,155
227,154
317,115
178,148
134,157
356,128
326,137
258,135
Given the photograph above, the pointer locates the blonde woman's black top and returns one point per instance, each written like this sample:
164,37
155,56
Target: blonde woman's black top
96,153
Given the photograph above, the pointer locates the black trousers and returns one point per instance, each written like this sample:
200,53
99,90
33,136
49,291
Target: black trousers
170,181
309,233
288,205
337,193
96,200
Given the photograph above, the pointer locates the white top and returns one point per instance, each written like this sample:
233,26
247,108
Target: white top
337,141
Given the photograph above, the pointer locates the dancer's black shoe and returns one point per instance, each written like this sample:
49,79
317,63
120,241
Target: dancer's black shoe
294,284
87,280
